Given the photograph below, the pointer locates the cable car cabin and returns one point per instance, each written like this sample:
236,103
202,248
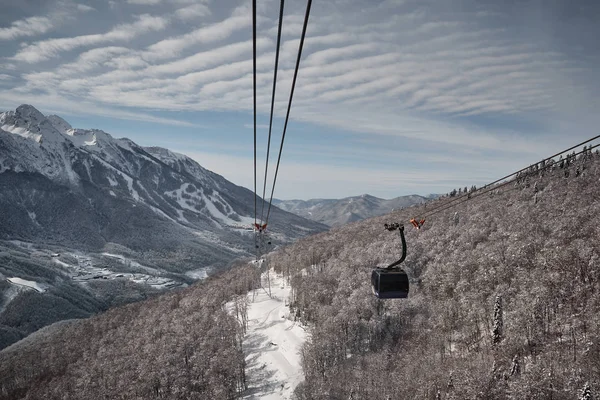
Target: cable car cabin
389,283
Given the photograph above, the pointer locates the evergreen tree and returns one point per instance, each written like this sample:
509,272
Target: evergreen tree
498,322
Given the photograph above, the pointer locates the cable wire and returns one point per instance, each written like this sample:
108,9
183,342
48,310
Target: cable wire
489,187
272,107
431,212
254,93
287,117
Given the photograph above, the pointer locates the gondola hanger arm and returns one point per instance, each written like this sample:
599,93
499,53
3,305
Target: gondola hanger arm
393,227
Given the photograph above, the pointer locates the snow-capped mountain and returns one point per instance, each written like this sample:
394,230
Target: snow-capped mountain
337,212
85,189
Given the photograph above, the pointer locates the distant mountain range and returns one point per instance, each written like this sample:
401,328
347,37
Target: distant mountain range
333,212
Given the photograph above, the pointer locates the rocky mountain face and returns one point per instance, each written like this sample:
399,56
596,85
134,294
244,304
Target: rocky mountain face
350,209
88,221
83,188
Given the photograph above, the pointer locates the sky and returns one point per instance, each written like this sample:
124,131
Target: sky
393,97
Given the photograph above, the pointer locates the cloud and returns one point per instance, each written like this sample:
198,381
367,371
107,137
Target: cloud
144,2
26,27
210,58
321,179
192,12
85,8
39,25
46,49
57,104
172,47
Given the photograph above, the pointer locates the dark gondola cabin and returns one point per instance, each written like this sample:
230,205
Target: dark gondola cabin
389,284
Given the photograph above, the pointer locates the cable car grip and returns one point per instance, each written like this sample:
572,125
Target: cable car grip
393,227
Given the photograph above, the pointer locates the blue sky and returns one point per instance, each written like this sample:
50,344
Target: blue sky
393,96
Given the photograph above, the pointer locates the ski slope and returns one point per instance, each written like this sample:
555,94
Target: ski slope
272,344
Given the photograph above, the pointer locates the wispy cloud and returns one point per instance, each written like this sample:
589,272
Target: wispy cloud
46,49
85,8
192,12
144,2
26,27
172,47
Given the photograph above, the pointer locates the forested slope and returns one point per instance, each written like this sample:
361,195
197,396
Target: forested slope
504,299
181,345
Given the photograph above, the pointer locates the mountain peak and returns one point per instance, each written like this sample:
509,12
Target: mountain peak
28,122
29,113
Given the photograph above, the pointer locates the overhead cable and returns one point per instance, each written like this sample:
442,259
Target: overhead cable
287,117
272,107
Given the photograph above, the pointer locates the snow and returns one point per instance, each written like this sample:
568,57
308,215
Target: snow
167,156
32,284
23,132
82,137
127,178
132,263
133,192
59,124
85,271
272,344
33,217
62,263
26,245
200,273
112,181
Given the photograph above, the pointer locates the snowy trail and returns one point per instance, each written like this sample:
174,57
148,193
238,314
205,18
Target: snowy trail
272,344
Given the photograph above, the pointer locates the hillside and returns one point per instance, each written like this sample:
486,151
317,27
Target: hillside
503,305
337,212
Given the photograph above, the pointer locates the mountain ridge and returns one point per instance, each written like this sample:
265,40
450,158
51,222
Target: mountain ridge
337,212
79,157
101,221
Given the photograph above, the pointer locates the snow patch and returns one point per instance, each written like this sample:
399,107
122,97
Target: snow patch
127,178
31,284
112,182
132,190
201,273
23,132
272,343
33,217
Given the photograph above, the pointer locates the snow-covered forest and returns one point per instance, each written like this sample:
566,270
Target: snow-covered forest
503,305
504,299
181,345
